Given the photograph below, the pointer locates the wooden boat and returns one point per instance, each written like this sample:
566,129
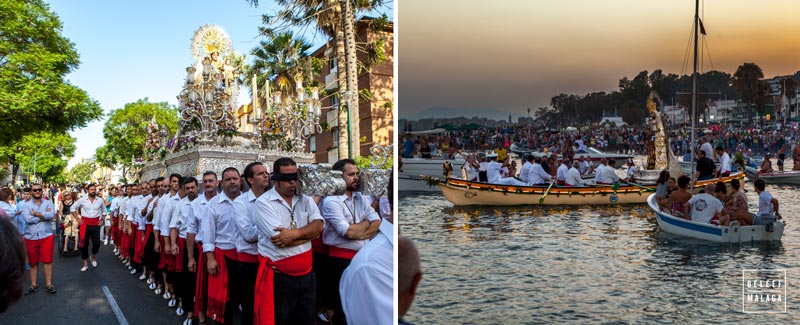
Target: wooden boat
788,177
461,192
721,234
415,169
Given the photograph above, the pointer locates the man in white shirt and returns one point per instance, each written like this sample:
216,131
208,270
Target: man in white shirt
537,175
725,161
705,206
286,223
523,172
707,148
573,176
609,176
493,169
185,281
194,235
89,210
598,172
483,165
166,210
349,224
585,166
561,172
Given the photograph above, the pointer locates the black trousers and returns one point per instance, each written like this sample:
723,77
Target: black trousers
185,283
295,298
150,258
483,176
321,266
234,293
93,233
337,267
247,285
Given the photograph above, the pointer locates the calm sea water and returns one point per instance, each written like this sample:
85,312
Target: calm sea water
588,264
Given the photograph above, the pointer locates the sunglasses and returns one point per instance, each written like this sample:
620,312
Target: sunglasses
36,190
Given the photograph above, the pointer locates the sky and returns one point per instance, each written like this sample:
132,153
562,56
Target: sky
135,49
510,55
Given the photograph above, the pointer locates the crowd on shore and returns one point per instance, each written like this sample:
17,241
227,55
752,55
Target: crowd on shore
243,249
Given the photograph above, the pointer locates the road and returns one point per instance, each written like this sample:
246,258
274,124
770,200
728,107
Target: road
81,299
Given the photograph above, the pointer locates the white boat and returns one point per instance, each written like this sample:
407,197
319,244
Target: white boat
720,234
789,177
414,170
592,153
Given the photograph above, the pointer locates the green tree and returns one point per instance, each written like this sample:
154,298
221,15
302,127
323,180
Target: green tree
34,59
279,58
42,151
80,173
747,80
125,131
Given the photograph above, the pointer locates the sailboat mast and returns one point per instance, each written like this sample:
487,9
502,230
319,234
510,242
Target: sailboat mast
694,87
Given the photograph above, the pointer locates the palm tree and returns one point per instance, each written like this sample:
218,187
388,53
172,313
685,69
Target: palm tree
279,59
747,81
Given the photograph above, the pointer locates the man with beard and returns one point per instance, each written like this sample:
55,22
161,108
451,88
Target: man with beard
257,178
39,237
196,259
91,210
285,285
219,246
185,281
350,222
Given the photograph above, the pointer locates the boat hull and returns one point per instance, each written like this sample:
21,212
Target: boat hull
720,234
784,178
411,179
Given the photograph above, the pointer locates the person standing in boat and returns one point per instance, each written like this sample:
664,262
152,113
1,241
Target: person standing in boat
725,161
705,167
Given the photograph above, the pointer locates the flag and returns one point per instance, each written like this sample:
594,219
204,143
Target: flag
702,28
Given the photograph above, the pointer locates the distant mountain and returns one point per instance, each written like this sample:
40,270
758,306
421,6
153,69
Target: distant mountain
451,112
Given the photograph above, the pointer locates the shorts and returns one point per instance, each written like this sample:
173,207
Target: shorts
764,219
40,250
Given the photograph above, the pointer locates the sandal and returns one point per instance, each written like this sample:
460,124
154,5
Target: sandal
51,289
31,289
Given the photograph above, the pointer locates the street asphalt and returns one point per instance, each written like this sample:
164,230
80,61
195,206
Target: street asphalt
81,299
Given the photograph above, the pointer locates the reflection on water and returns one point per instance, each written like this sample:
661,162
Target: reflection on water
586,264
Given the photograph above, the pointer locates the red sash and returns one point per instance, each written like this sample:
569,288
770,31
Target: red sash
200,288
248,258
318,246
264,304
560,183
218,285
162,260
177,266
87,222
339,252
138,243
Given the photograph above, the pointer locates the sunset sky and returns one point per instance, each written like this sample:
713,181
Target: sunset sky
509,55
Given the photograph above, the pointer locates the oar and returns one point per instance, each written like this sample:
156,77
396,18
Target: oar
641,187
541,199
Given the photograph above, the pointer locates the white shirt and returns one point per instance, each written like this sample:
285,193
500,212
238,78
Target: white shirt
493,172
157,212
609,176
469,172
584,167
89,209
631,171
483,166
245,210
537,175
706,147
561,172
726,162
523,172
338,213
199,215
765,203
115,206
369,280
219,229
573,177
384,207
704,207
598,173
141,206
184,213
272,211
131,209
168,211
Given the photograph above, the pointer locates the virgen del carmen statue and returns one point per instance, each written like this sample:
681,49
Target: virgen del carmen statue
208,136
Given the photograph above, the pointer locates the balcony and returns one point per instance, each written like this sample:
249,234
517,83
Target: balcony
331,80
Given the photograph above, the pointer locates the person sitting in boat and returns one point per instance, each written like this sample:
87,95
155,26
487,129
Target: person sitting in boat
705,167
561,173
721,193
705,207
526,167
512,168
470,169
680,197
767,206
573,176
598,172
632,170
725,161
585,166
736,206
766,165
553,166
546,165
537,175
672,186
482,165
495,174
661,189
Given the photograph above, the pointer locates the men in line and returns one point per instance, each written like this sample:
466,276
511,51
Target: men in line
257,178
114,209
145,226
219,246
124,247
184,281
369,280
196,261
286,222
138,220
151,256
350,222
89,212
132,226
38,216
